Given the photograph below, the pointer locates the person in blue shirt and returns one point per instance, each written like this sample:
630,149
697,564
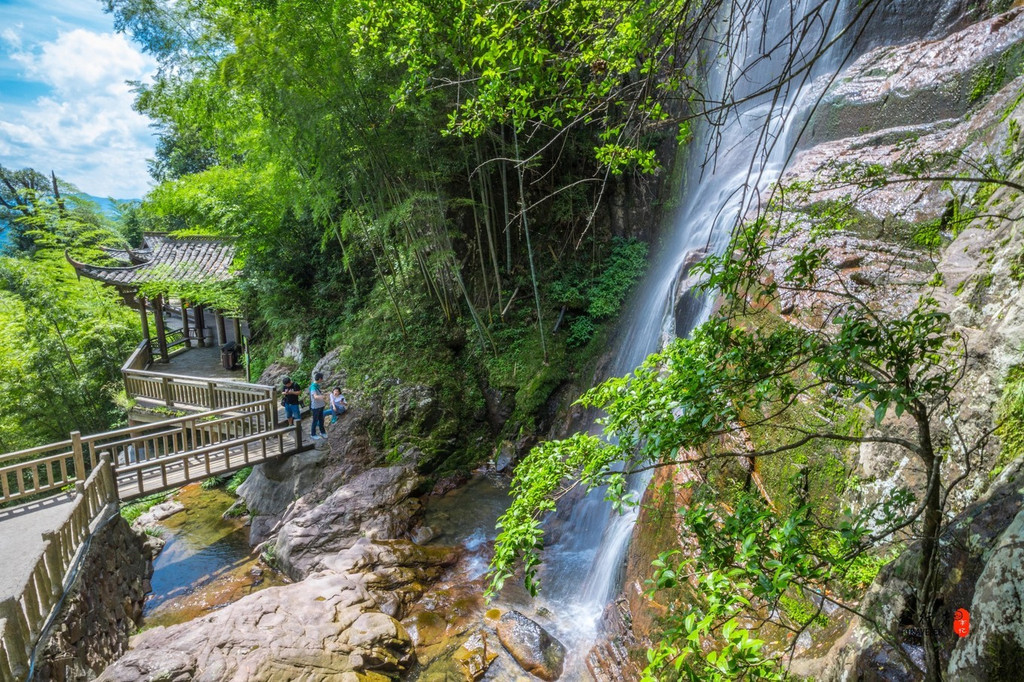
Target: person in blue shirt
317,403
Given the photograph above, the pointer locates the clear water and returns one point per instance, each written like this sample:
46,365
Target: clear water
206,563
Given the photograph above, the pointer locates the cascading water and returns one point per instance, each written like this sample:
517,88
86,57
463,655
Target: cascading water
741,147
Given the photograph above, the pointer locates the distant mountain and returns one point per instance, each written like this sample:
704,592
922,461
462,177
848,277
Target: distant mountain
106,204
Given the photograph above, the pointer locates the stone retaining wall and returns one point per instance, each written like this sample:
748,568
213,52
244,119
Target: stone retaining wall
102,608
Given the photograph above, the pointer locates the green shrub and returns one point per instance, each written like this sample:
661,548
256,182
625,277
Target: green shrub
237,479
1011,416
135,509
213,482
580,332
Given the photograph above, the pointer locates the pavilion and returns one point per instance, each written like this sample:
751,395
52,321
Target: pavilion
165,258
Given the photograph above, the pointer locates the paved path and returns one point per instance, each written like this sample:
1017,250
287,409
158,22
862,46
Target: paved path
21,539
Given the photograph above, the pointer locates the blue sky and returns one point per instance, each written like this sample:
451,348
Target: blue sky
64,104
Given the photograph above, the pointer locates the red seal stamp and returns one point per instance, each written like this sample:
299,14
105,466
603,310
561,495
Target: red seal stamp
962,622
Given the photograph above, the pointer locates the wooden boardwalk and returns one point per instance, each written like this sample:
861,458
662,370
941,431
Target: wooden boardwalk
164,473
151,457
103,469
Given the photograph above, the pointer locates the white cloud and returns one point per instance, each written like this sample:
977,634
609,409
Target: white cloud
12,35
80,61
85,128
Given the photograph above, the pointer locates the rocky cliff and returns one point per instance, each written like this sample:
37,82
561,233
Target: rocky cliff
928,106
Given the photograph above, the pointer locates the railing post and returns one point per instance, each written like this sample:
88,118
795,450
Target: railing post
112,494
30,599
16,636
6,669
298,436
44,590
54,565
80,492
211,401
165,385
76,448
273,408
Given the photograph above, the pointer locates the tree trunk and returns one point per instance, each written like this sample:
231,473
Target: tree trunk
928,568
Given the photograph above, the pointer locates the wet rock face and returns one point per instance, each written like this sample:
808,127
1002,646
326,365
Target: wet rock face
980,564
533,648
996,639
500,405
919,82
415,406
906,20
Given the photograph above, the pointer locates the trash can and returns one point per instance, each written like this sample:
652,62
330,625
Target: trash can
229,355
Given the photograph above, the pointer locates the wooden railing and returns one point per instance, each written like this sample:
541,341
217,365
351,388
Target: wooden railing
177,469
22,619
240,427
187,392
179,391
58,465
39,469
140,359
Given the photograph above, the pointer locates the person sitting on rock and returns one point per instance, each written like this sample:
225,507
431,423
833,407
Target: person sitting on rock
338,406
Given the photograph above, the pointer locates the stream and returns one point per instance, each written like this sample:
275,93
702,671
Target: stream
207,562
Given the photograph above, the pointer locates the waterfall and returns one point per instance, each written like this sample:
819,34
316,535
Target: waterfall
736,153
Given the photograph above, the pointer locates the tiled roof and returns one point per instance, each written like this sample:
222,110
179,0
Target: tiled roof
166,258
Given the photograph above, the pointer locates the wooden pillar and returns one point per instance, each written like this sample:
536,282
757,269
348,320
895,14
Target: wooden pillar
145,317
237,323
184,323
161,333
200,332
222,332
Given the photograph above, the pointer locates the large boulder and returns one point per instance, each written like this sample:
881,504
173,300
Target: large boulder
286,487
334,371
340,624
154,515
531,645
396,572
314,630
275,373
375,504
274,485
